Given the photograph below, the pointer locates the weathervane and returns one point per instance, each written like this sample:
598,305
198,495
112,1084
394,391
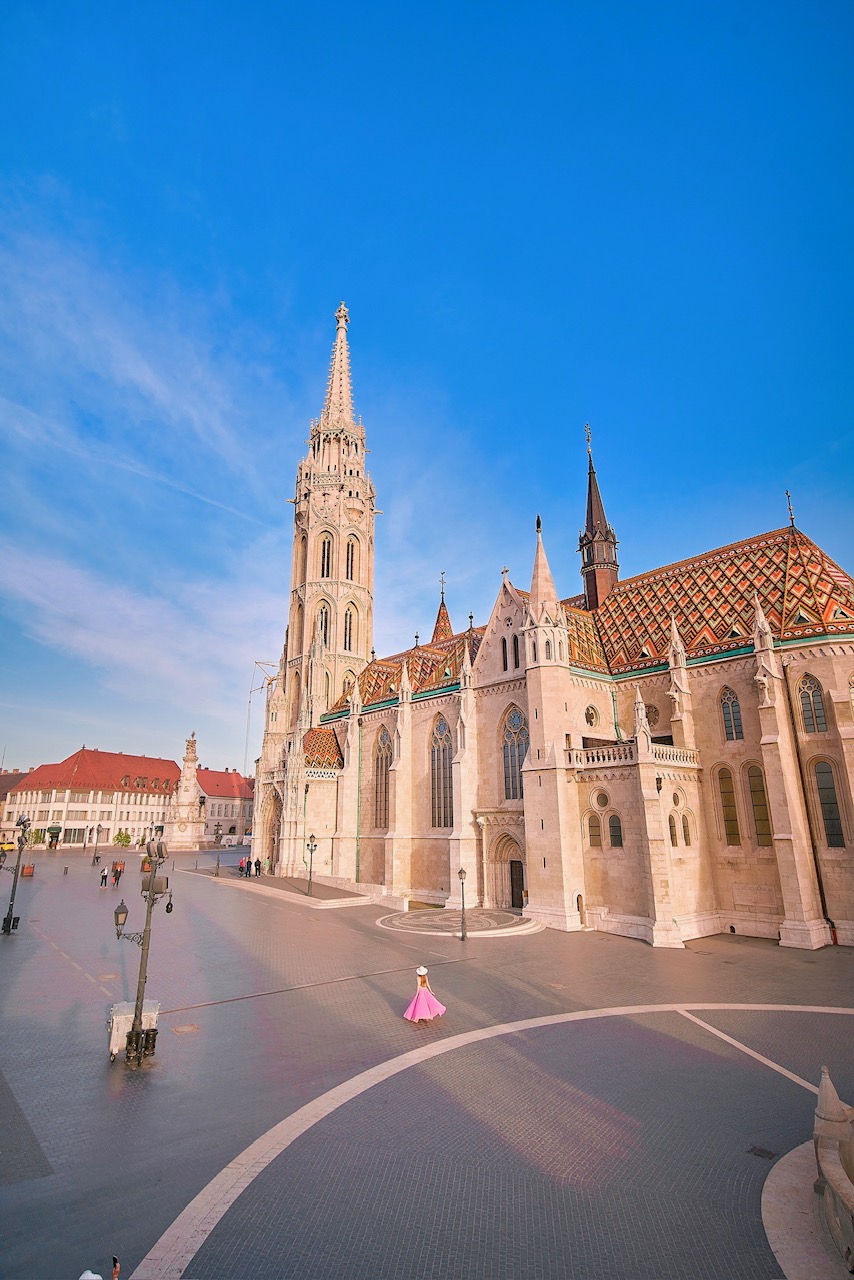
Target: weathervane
791,512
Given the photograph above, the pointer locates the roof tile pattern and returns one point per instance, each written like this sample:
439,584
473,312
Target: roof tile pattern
321,749
429,666
801,590
225,783
442,629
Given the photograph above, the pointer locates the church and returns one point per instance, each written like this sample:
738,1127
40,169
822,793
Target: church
664,757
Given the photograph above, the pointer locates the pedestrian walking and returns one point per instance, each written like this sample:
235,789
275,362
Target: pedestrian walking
242,865
117,875
103,877
424,1005
257,866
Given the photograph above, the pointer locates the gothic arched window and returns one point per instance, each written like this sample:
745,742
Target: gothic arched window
516,653
674,840
327,686
382,764
326,556
349,629
732,715
615,832
516,742
441,787
301,560
352,560
812,705
504,652
595,827
548,651
323,623
730,813
686,830
759,801
830,814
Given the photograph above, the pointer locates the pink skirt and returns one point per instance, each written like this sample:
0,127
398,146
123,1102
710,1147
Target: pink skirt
424,1005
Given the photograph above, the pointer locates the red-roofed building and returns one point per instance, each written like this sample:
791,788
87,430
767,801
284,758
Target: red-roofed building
663,757
92,796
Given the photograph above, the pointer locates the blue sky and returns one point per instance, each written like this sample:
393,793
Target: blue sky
539,215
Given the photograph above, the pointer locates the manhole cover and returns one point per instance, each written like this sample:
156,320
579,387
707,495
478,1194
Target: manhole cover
762,1152
185,1030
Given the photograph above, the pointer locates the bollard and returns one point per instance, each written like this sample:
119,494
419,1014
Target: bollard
197,864
65,871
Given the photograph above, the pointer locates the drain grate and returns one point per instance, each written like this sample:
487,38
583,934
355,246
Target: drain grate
762,1152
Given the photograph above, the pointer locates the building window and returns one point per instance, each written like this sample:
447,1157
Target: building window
326,556
732,715
349,681
516,743
382,764
351,559
441,788
812,705
674,839
615,832
348,629
686,830
730,813
548,651
829,806
759,801
516,653
595,827
323,623
504,652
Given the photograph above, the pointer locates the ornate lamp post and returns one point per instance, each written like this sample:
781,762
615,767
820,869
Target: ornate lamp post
462,874
10,921
312,850
155,889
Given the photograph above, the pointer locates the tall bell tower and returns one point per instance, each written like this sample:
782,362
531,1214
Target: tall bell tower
331,618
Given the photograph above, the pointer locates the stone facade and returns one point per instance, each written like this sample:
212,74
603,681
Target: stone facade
665,757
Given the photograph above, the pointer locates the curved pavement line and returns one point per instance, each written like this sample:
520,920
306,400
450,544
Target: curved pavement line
523,930
790,1216
179,1244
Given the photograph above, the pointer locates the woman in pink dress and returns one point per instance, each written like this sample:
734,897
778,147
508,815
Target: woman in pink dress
424,1005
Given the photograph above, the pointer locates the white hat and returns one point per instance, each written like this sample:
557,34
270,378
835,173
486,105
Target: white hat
421,970
89,1275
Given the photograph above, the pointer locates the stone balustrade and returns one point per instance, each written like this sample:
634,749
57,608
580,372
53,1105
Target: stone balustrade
662,754
619,753
833,1137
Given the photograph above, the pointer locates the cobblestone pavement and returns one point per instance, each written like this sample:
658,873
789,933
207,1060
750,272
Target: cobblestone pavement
608,1145
478,920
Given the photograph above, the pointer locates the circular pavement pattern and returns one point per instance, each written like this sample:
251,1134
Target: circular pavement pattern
480,921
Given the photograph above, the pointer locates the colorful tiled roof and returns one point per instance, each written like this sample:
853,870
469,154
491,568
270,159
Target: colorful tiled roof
89,769
585,646
801,590
321,749
430,666
225,783
442,629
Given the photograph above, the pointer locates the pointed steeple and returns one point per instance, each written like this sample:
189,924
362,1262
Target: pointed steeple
338,409
442,629
543,590
597,543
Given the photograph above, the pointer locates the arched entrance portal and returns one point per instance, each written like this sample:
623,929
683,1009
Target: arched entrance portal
505,874
271,831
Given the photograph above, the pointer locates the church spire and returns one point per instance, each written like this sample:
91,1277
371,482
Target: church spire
543,590
442,629
597,543
338,409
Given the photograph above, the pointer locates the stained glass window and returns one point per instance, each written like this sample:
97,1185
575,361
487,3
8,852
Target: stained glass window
441,787
812,705
516,743
732,715
759,801
382,764
829,806
730,813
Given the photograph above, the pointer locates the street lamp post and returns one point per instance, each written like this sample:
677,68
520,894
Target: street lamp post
137,1045
10,921
462,874
312,850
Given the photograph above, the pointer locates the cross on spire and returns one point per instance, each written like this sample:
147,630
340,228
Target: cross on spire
588,435
442,581
791,511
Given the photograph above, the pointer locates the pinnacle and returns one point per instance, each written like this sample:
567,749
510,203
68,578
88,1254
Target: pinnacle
338,409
